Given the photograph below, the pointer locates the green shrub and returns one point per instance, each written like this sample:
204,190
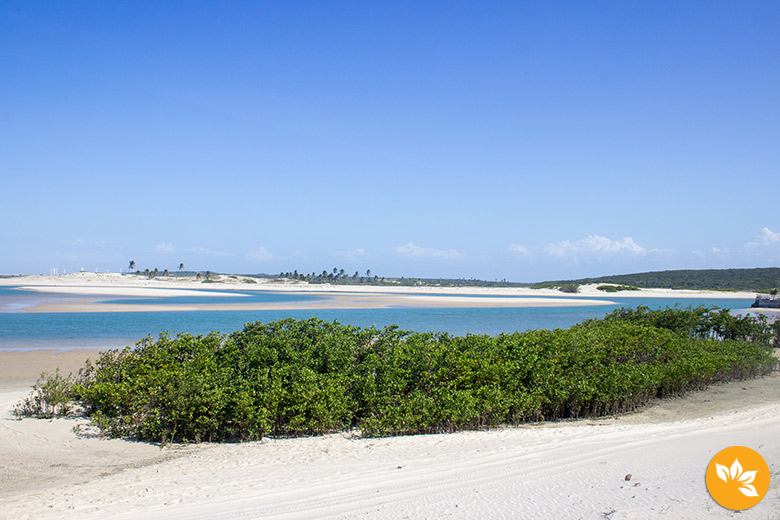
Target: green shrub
611,288
303,377
51,396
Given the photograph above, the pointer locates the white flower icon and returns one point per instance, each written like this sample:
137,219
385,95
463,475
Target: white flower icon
735,474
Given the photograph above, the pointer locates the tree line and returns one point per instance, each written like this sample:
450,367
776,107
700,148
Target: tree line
335,276
149,273
759,279
338,276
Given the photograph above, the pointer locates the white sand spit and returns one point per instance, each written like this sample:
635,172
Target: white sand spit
232,282
467,301
150,292
93,286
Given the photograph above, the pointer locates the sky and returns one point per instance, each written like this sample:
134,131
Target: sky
524,141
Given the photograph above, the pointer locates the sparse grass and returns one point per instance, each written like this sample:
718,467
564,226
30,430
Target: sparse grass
51,396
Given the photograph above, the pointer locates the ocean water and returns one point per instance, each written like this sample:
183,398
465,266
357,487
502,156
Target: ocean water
20,330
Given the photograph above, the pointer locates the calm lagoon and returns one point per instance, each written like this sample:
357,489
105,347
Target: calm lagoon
21,331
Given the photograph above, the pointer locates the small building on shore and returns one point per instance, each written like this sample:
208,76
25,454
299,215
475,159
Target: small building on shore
767,301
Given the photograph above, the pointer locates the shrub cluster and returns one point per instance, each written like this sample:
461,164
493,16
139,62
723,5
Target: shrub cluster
703,322
51,396
300,377
616,288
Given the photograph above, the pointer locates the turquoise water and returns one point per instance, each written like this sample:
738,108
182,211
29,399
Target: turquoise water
20,330
242,297
14,300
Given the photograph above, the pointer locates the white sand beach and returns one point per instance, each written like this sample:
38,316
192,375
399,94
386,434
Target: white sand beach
234,282
571,469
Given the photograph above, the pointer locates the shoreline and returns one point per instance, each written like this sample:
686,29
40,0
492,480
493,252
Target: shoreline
339,301
21,368
87,289
50,471
108,280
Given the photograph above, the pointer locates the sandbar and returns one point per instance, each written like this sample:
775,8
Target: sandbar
93,288
325,301
153,292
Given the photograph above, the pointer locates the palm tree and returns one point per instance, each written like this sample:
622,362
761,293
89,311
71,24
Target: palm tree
368,273
181,266
132,264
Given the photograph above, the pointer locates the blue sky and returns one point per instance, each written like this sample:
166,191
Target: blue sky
526,141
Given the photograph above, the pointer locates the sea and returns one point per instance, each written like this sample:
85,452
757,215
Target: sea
20,330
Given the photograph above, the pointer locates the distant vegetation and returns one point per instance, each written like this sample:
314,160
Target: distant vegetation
702,323
617,288
758,279
305,377
339,276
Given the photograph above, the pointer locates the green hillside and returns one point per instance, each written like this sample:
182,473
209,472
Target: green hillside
757,279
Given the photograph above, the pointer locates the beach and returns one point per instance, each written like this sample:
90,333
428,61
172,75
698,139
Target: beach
646,464
566,469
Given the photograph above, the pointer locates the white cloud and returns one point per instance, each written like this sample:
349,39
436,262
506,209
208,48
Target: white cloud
355,255
766,238
765,247
80,242
769,237
206,252
166,248
259,253
520,250
411,250
595,247
719,253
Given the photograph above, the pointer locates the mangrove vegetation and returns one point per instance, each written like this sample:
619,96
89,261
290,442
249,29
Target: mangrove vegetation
303,377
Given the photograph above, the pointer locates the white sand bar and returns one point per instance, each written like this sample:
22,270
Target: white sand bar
470,301
151,292
232,283
330,296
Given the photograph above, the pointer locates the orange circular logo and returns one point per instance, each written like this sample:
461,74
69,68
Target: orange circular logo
737,478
